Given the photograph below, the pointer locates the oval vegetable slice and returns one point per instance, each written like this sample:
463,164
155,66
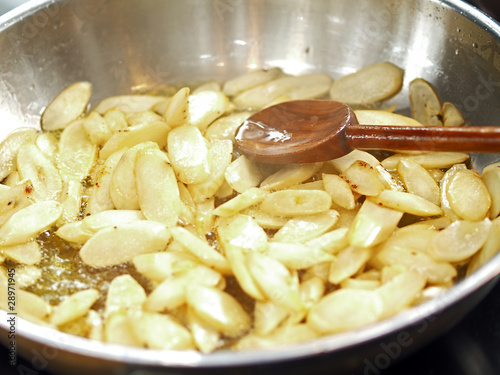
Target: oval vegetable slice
345,309
460,240
10,146
188,154
369,85
296,202
425,103
67,106
29,222
121,243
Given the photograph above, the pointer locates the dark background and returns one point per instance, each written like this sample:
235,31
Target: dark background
471,348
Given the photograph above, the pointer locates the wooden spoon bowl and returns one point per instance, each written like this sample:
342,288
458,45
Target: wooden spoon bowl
307,131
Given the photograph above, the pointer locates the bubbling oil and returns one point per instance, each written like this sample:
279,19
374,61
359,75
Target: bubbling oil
64,273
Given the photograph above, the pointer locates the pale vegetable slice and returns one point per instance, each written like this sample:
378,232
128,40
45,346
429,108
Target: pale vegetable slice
425,103
225,191
417,180
161,106
243,232
290,175
159,266
14,199
356,283
249,80
460,240
276,282
331,242
428,160
244,200
118,330
30,306
177,108
296,202
429,293
369,85
305,228
67,106
208,86
283,336
95,325
29,222
171,293
344,162
348,262
156,131
220,154
436,272
372,225
491,178
100,198
312,185
307,86
71,201
124,293
188,207
437,223
204,217
116,120
268,316
378,117
243,174
444,183
104,219
123,187
468,195
122,243
161,332
345,309
10,146
265,220
297,256
225,127
141,118
76,305
28,253
363,178
205,107
74,232
452,115
390,181
278,100
44,176
400,292
219,309
490,248
311,291
204,335
201,249
405,238
339,190
239,266
128,103
96,128
189,154
157,190
406,202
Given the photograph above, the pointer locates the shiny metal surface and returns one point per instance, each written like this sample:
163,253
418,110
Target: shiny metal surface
126,46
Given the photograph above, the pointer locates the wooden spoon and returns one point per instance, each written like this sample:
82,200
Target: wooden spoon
307,131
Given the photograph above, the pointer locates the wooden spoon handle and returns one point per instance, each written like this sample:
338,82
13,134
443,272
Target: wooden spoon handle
460,139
